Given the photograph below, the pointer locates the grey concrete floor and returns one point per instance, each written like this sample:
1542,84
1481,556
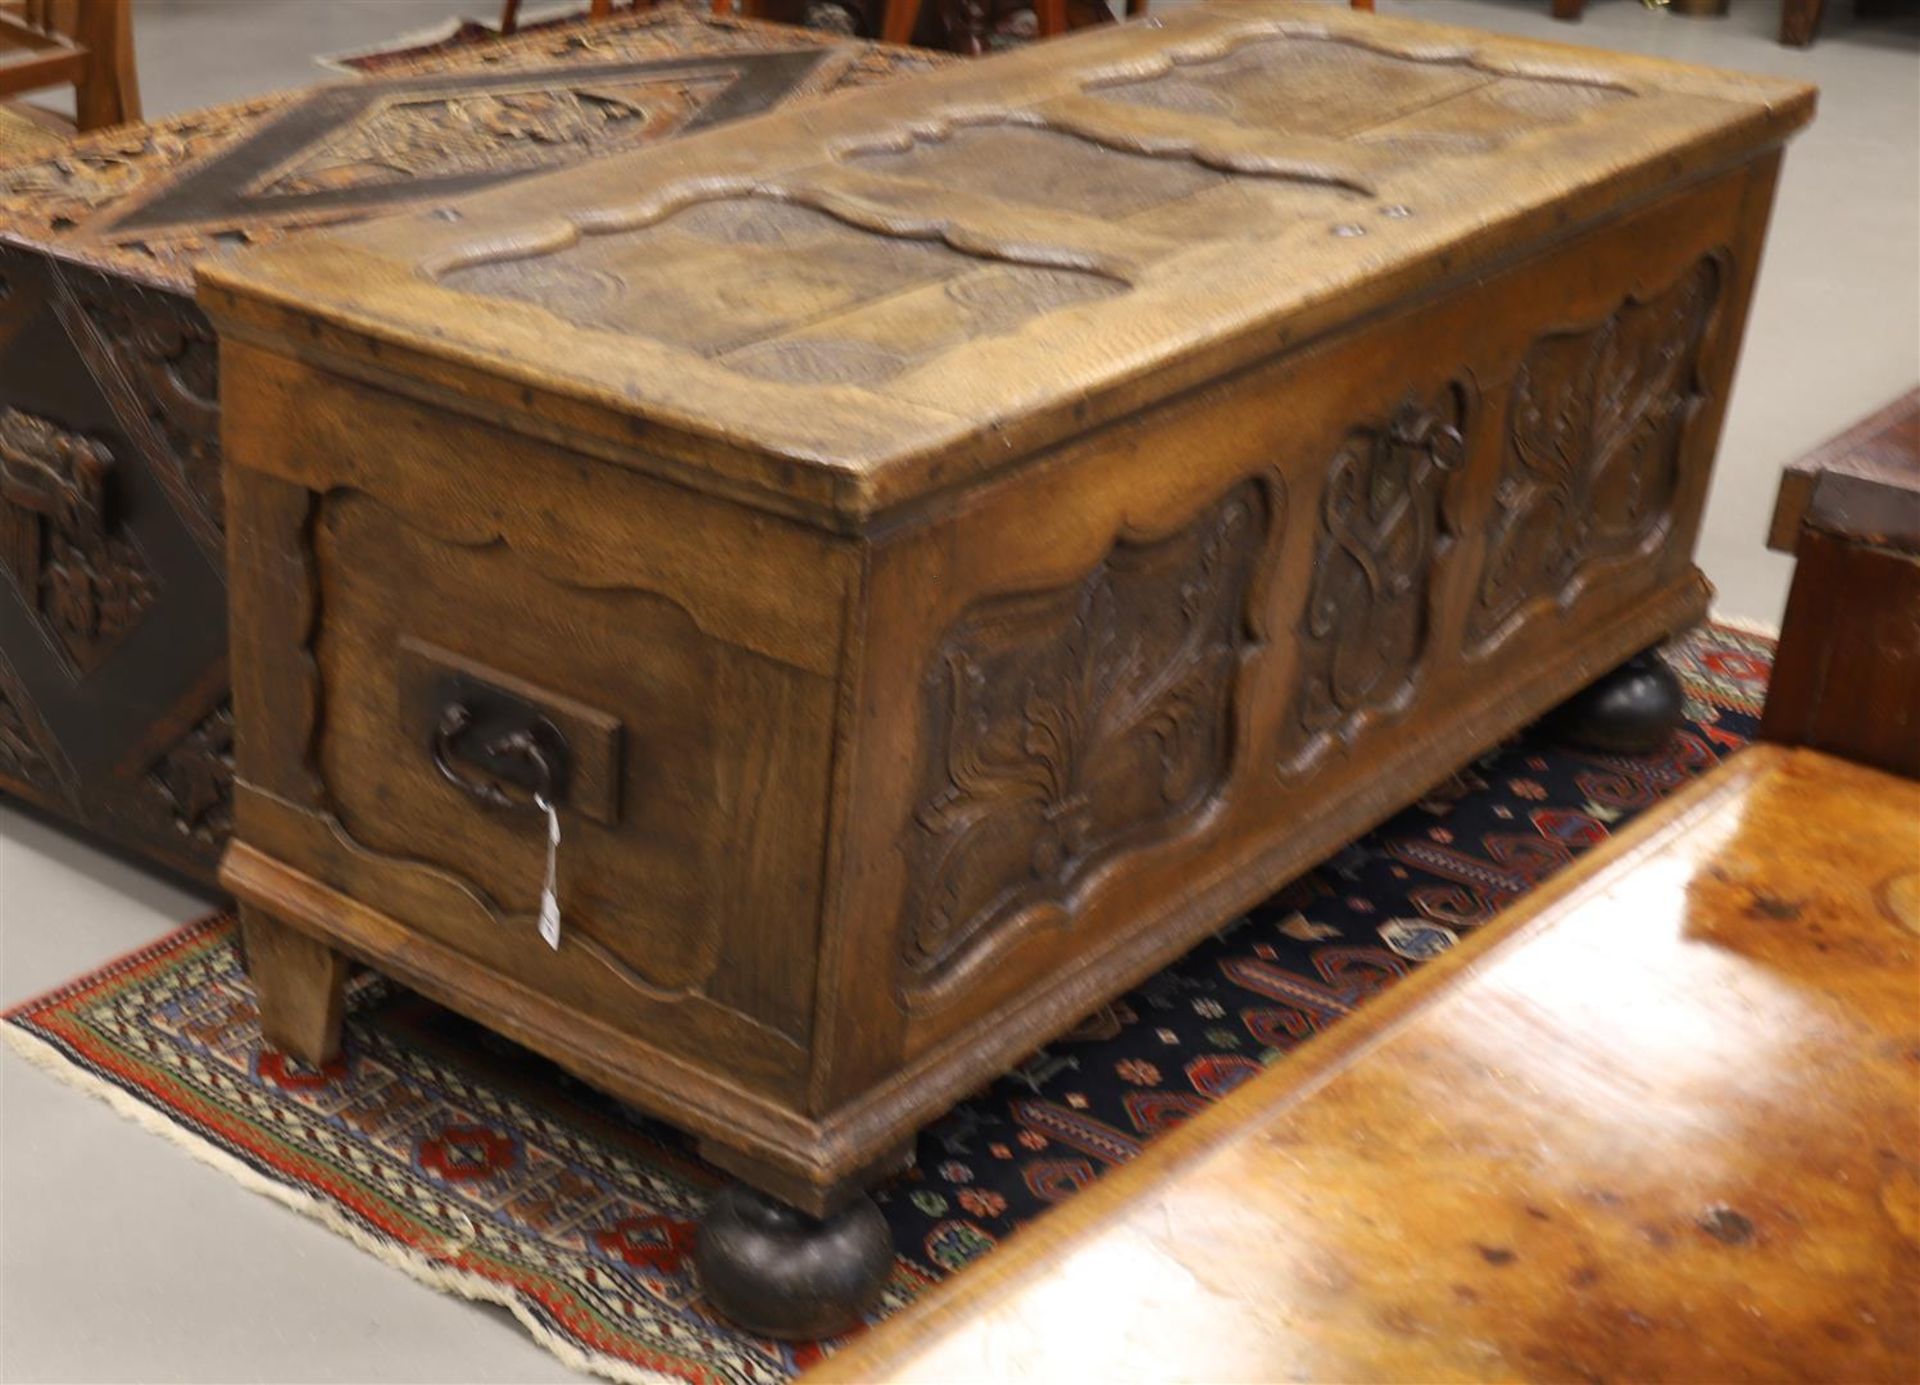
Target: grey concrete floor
122,1258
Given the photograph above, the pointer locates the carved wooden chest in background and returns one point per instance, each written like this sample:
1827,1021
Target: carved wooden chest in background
113,683
948,550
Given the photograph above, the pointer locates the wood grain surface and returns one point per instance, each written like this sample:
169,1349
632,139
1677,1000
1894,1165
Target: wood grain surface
921,760
1661,1121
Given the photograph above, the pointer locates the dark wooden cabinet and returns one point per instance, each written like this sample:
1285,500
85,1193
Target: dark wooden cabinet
1846,679
114,708
973,537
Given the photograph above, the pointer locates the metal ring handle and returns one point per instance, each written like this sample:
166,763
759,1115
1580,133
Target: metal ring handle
1446,446
455,720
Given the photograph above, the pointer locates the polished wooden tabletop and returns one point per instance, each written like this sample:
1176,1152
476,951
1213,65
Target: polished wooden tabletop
1661,1122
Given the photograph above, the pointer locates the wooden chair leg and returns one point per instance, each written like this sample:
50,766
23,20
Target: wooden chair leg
1568,9
509,17
299,985
1136,8
1800,21
899,20
1366,5
1052,17
108,92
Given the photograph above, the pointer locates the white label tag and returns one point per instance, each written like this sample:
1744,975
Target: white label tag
550,890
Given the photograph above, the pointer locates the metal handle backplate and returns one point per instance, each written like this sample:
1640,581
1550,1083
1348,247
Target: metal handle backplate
488,743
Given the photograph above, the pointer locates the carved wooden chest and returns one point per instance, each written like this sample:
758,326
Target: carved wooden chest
946,551
113,684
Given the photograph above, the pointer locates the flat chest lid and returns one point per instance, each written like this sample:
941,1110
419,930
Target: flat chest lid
838,310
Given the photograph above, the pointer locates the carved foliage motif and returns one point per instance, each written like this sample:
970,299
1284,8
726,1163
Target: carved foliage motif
88,585
21,759
50,197
192,784
30,759
1069,723
160,362
1593,449
1364,633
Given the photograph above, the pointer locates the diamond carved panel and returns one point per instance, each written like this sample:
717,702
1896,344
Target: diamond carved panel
87,584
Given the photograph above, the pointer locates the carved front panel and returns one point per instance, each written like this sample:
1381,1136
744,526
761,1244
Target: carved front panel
1363,638
20,757
1067,725
190,785
112,614
29,760
87,582
1593,450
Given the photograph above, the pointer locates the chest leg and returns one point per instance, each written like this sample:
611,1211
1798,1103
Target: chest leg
299,985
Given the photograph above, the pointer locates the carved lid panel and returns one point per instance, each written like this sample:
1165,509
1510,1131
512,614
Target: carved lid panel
903,288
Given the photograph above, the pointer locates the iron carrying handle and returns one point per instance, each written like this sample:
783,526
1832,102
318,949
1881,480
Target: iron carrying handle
522,744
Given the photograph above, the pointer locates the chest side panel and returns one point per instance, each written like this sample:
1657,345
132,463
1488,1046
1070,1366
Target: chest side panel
413,583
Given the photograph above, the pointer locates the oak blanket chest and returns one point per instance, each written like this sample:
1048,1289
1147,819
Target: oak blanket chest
944,551
114,708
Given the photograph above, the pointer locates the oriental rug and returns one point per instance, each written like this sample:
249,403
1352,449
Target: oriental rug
486,1172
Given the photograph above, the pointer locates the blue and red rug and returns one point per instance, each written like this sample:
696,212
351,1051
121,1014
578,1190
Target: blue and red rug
486,1172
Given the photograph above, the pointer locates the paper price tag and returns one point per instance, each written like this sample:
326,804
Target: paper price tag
550,890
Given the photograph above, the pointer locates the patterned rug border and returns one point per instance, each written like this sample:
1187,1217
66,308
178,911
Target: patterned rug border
151,1101
50,1056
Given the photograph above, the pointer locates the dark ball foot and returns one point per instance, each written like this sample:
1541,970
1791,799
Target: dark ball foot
1631,711
778,1272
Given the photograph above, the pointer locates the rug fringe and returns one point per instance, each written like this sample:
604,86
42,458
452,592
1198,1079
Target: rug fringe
465,1284
1760,629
